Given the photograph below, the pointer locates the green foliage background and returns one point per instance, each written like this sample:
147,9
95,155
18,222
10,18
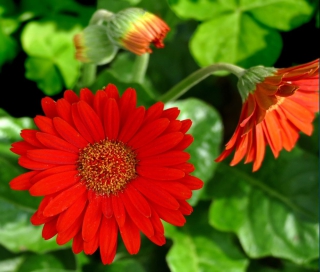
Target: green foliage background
242,221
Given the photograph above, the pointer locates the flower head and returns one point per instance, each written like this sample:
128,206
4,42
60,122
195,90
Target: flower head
135,29
104,167
280,105
94,46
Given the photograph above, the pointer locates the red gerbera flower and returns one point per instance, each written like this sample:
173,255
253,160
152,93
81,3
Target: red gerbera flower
281,105
135,29
105,166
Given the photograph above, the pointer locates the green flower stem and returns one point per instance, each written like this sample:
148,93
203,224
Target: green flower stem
140,67
88,75
89,71
193,79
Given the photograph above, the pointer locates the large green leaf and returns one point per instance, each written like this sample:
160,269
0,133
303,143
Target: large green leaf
207,132
51,61
282,14
8,47
241,32
199,247
274,211
235,38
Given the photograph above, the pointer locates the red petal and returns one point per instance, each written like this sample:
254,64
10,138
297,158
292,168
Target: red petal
77,243
176,189
65,236
131,125
127,104
260,147
91,220
111,119
70,96
54,183
193,183
138,200
91,246
149,132
174,126
160,145
185,207
106,206
130,236
186,124
21,147
51,171
29,135
153,112
118,210
155,194
64,200
52,156
166,159
108,239
142,222
87,96
91,120
80,125
49,107
33,165
159,173
67,217
171,113
49,229
68,133
64,110
184,143
45,124
112,91
99,102
22,182
55,142
171,216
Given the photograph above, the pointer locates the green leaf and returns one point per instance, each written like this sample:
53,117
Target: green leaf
284,266
235,38
201,10
51,61
284,15
18,234
199,247
38,262
8,47
274,211
45,73
126,265
207,132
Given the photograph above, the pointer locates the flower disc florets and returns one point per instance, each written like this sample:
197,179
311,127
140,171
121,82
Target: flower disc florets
106,167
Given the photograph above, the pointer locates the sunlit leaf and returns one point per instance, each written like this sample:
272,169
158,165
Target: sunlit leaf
51,61
235,38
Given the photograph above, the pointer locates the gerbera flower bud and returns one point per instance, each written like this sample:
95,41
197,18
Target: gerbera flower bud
135,29
94,46
106,167
278,104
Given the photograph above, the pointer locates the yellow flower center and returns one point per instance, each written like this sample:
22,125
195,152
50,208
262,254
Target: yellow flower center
106,167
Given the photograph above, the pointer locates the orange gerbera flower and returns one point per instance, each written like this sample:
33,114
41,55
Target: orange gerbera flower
281,105
105,166
135,29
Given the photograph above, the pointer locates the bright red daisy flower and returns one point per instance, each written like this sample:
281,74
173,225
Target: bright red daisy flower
281,105
105,166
